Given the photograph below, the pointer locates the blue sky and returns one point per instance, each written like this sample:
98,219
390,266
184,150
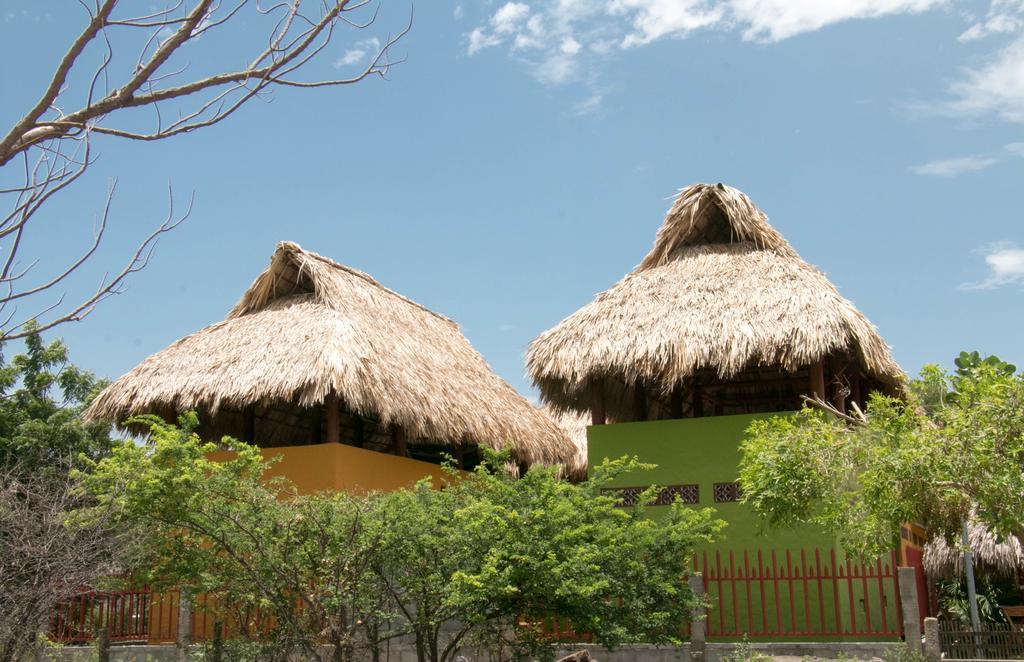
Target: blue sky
522,157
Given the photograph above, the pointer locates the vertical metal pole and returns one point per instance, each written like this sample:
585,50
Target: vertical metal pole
972,592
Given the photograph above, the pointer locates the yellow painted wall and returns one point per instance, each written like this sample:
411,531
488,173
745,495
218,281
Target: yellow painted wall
337,467
314,468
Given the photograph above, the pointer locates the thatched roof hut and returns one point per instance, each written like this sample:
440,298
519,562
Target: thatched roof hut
317,351
722,316
1003,557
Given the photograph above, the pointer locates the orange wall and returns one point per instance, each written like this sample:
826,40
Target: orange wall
336,467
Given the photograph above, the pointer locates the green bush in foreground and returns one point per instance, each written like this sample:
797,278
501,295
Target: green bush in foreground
954,451
479,563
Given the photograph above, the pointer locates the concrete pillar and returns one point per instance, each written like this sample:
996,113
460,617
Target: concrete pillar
698,620
911,611
932,647
184,639
102,645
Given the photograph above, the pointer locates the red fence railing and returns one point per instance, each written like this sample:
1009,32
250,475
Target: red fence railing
762,594
125,614
143,615
799,594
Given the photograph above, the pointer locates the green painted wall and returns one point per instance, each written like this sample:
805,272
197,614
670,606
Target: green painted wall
702,451
705,451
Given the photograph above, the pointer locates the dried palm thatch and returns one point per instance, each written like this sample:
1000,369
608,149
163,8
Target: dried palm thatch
308,328
574,425
720,292
1003,557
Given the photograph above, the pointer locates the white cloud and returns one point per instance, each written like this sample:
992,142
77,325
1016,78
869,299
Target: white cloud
458,12
1005,265
349,58
509,17
559,40
654,19
557,69
479,40
1003,16
997,88
358,53
775,20
570,46
957,166
971,163
598,27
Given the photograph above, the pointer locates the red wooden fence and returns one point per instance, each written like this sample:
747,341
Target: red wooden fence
130,615
799,594
125,614
767,594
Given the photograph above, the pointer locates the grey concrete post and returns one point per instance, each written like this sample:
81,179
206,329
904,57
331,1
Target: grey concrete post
103,645
184,627
932,647
698,620
911,611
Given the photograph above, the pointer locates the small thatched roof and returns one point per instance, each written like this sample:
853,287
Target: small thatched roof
1001,557
721,291
309,326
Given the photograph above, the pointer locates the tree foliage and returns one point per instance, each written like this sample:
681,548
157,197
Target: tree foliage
481,562
45,557
41,395
956,446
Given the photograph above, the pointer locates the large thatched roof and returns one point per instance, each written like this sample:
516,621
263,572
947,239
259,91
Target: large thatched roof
309,326
721,291
1003,557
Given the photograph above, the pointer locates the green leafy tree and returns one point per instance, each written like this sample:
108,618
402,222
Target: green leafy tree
481,562
251,544
490,557
41,396
955,447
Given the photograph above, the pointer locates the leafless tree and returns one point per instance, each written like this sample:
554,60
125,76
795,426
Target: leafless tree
44,557
51,146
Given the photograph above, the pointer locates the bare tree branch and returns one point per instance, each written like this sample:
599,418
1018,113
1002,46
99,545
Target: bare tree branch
52,148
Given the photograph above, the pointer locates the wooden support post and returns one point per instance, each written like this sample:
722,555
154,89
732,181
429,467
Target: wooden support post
597,405
639,402
359,431
250,425
169,414
817,371
318,426
855,394
459,454
697,406
398,441
333,418
840,396
676,402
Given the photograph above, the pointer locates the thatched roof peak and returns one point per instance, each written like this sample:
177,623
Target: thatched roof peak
720,292
291,266
705,214
309,328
